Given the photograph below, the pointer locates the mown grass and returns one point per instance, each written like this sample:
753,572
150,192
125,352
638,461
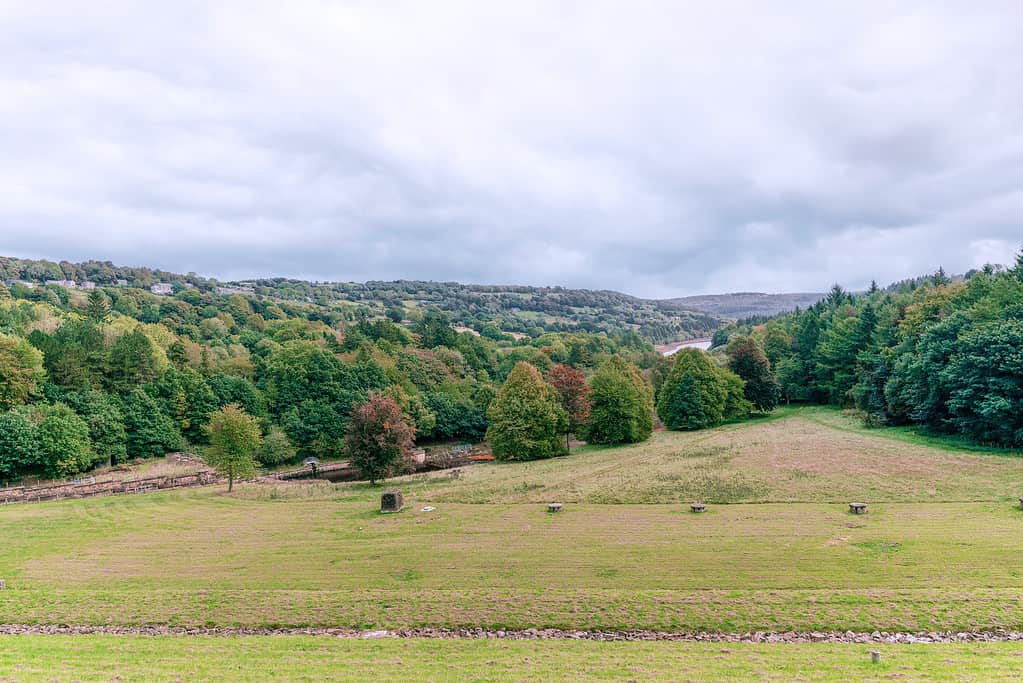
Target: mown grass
937,551
912,434
306,658
795,455
202,557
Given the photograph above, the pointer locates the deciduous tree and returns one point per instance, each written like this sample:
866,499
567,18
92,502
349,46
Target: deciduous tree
621,404
64,446
276,449
575,394
526,417
235,439
378,438
21,371
19,444
150,432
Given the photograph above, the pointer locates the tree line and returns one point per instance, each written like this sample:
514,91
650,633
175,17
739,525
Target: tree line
940,352
487,309
99,377
532,415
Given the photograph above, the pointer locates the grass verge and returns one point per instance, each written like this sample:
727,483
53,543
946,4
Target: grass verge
306,658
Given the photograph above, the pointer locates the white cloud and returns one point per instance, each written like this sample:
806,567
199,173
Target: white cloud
657,148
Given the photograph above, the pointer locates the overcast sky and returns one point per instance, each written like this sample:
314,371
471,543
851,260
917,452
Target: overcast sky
657,148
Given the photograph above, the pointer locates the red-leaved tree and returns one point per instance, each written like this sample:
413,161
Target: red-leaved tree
575,394
378,439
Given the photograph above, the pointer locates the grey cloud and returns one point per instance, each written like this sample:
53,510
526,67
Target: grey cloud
656,148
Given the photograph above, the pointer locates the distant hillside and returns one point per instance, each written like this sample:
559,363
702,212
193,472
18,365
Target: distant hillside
509,308
512,308
745,304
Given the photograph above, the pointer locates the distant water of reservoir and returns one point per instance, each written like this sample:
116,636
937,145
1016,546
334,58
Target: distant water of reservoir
671,349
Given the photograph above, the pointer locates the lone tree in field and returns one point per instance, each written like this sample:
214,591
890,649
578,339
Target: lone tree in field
575,395
378,437
526,417
697,393
622,404
234,441
749,362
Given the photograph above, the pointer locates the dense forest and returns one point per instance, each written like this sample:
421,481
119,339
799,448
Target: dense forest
114,371
105,370
944,353
489,309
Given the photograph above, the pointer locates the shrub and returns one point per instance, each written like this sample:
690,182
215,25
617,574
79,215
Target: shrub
276,449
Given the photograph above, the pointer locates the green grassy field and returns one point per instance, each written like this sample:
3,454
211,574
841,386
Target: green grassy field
777,550
797,455
306,658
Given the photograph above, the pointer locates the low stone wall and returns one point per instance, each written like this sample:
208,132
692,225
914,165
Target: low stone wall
900,638
341,471
447,458
21,494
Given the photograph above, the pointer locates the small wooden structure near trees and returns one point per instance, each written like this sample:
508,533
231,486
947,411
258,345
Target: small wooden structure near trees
698,507
857,508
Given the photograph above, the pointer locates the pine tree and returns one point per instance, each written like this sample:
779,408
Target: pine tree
98,308
836,297
747,360
698,394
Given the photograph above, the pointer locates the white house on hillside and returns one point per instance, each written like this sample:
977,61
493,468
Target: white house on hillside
66,284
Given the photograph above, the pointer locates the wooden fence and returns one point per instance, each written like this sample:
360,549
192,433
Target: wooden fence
89,489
